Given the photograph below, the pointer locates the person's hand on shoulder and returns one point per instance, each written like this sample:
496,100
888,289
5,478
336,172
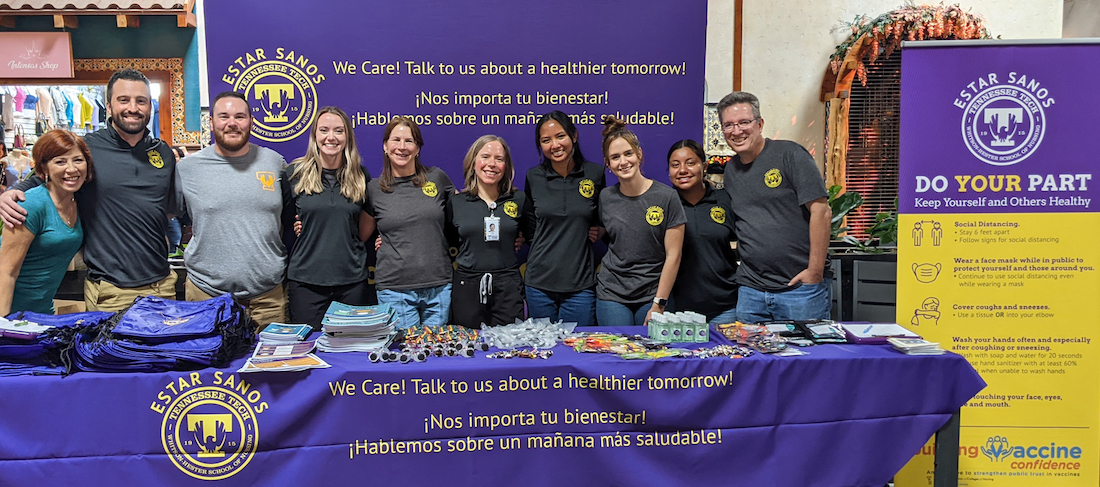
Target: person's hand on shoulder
10,211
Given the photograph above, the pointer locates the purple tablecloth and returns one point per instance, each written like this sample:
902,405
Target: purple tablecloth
844,415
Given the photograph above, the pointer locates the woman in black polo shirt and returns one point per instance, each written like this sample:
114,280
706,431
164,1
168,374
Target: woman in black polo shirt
561,225
707,264
329,260
484,223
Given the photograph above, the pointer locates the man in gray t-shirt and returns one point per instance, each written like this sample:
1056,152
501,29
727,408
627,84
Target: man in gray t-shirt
782,219
234,193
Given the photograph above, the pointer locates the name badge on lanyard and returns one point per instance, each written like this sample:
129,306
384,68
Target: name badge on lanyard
492,229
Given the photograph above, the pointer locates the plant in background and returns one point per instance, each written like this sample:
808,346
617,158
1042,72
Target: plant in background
909,22
885,229
841,204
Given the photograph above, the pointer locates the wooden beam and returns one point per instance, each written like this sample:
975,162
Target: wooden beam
7,21
127,21
187,20
64,21
738,33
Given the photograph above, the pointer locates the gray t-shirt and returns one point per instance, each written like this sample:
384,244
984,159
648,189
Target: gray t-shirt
770,217
411,220
235,205
631,268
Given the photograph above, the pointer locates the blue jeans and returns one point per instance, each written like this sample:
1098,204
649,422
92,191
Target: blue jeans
806,302
727,316
579,307
610,313
429,306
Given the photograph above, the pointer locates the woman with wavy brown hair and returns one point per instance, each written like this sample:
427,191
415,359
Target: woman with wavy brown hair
413,269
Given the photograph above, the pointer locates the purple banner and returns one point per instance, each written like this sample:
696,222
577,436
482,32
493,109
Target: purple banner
463,70
999,128
841,415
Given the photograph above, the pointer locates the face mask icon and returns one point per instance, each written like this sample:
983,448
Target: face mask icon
927,272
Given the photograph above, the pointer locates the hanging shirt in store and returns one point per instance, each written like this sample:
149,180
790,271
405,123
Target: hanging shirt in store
58,106
20,97
95,116
85,110
102,111
30,102
8,110
69,104
45,106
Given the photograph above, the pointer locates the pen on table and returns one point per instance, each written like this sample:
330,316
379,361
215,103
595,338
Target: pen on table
868,330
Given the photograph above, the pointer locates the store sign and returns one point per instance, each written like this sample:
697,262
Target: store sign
462,70
997,255
36,55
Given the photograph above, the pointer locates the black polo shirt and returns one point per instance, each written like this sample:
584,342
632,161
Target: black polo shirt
466,214
124,208
560,212
328,252
705,283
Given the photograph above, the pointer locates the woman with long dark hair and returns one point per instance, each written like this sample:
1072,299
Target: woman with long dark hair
562,223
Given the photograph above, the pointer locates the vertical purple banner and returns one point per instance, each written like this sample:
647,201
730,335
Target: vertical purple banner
463,70
1004,129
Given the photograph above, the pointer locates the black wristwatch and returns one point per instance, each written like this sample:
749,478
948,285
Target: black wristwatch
662,302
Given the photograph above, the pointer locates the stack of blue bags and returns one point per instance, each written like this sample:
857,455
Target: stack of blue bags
45,353
156,335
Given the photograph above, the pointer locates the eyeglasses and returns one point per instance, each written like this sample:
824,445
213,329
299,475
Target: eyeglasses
744,124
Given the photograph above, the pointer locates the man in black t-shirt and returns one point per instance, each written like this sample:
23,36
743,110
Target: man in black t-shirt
124,208
782,219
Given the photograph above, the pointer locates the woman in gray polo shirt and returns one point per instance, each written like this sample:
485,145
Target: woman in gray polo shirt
413,269
645,226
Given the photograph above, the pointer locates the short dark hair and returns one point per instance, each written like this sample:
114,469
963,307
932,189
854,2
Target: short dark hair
228,94
129,74
739,97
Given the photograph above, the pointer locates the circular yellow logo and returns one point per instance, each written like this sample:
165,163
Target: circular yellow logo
718,214
511,209
430,189
282,96
773,178
209,433
655,215
587,188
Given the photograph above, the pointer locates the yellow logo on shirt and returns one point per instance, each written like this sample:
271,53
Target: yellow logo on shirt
430,189
718,214
267,178
511,209
155,159
773,178
587,188
655,215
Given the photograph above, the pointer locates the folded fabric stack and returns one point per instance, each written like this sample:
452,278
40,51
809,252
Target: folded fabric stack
156,335
357,328
33,343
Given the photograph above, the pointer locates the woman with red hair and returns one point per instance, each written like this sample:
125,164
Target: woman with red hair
35,255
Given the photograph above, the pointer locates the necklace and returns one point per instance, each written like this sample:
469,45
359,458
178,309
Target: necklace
61,211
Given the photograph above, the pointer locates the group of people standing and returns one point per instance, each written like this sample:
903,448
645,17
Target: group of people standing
667,247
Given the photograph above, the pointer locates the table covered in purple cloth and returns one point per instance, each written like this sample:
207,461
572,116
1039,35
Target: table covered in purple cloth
843,415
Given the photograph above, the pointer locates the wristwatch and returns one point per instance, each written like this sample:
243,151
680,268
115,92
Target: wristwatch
662,302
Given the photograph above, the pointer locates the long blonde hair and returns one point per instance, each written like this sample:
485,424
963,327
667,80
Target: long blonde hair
351,176
504,186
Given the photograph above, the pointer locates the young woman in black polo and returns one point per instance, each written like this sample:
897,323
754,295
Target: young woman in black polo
484,223
562,223
707,264
329,260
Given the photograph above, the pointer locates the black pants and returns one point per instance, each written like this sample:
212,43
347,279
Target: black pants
504,299
309,302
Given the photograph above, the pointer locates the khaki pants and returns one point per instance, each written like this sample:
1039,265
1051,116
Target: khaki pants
264,309
104,296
